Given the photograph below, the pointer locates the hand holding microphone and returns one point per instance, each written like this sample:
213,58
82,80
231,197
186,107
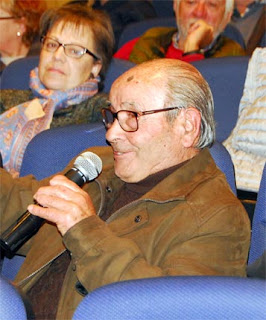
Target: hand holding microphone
62,203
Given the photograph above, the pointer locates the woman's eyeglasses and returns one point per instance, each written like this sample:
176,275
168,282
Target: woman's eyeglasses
71,50
9,18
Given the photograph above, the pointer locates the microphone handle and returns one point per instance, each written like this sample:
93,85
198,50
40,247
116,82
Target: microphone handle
27,224
19,232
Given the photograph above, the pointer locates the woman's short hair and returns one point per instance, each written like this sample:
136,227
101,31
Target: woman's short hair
84,16
31,11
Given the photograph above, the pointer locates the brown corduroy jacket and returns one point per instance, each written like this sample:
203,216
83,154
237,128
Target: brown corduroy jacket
189,224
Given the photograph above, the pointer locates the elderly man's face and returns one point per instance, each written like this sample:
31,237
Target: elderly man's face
155,145
211,11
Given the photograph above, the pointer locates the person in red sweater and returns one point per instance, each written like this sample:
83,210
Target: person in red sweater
200,24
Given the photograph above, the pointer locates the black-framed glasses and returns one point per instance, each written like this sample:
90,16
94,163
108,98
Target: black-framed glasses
128,120
71,50
9,18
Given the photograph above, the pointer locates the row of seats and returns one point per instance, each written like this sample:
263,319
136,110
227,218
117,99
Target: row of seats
136,29
201,297
17,74
226,77
207,297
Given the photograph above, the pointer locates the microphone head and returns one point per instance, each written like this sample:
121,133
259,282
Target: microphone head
89,164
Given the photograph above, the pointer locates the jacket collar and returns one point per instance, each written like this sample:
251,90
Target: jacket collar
179,183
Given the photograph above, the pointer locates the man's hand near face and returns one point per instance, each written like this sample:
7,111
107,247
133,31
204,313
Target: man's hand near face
200,35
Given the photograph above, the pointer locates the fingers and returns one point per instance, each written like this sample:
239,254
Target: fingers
63,203
200,35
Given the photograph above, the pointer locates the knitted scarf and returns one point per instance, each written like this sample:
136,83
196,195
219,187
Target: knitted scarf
21,123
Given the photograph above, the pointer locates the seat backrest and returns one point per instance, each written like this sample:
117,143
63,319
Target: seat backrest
115,69
170,298
136,29
163,8
11,302
51,150
226,77
10,267
224,162
16,74
258,238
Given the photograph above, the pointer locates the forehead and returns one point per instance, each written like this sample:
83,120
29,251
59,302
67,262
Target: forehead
135,91
79,33
221,3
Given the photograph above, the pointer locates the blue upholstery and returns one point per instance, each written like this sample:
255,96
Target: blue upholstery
51,150
226,77
224,162
163,8
11,303
10,267
171,298
258,238
116,68
136,29
16,74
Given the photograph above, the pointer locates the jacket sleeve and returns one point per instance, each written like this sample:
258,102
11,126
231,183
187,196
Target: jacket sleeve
218,246
152,44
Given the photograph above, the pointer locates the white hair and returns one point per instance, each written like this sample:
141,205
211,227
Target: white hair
229,6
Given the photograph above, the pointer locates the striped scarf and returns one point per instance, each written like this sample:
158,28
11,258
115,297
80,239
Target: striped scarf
21,123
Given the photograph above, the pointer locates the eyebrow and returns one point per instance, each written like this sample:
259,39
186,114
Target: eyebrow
72,43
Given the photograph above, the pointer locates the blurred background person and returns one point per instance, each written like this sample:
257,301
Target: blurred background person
19,24
247,142
77,45
198,35
249,17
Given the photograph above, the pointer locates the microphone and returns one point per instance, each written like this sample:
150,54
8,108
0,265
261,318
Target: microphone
86,168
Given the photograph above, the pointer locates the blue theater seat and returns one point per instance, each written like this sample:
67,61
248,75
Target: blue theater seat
257,252
16,74
11,303
136,29
171,298
226,77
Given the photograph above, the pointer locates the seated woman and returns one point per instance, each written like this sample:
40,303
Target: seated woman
77,45
19,29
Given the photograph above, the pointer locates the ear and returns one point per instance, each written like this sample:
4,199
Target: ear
175,5
21,25
191,127
96,68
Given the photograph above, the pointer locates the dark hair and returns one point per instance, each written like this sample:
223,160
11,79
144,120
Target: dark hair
31,11
80,15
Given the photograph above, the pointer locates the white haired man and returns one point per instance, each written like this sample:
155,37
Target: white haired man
160,207
200,24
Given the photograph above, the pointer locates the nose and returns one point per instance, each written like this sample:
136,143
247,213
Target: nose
115,132
200,10
59,53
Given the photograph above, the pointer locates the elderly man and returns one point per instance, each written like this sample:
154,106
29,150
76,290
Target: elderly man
198,35
160,206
